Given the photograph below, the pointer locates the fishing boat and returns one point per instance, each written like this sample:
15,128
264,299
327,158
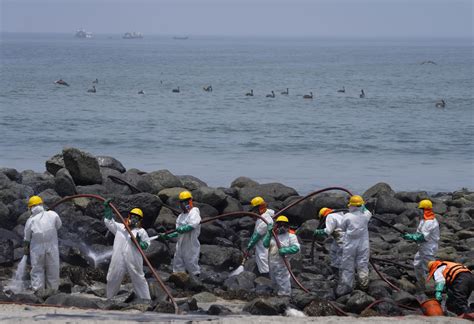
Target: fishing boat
132,35
82,33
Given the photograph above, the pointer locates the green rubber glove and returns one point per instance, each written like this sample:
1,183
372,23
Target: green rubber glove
26,248
266,240
253,240
439,287
171,235
143,245
292,249
107,210
415,237
184,228
319,232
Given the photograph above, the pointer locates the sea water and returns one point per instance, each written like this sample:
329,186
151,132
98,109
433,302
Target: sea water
395,134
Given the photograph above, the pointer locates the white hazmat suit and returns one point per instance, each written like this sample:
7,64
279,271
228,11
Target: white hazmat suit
427,249
186,257
126,259
41,230
333,228
278,272
261,253
356,249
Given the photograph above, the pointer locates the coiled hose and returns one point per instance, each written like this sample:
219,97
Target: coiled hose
134,240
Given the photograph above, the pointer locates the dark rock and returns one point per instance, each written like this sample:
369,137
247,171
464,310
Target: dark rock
16,239
309,208
210,196
306,230
245,223
65,286
26,298
266,306
387,204
358,301
220,257
206,210
232,192
319,307
269,192
37,181
7,219
242,182
137,179
205,297
82,166
96,189
112,186
240,282
180,279
387,308
55,163
465,234
221,242
148,203
392,271
187,305
158,253
17,208
216,309
162,179
111,163
164,307
404,298
82,276
414,197
73,300
168,194
166,218
191,183
64,184
49,196
379,289
213,278
12,174
209,232
6,252
263,286
378,189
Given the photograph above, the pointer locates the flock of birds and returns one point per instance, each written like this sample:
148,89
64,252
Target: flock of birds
208,88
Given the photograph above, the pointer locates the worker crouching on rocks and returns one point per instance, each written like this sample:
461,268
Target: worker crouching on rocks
333,221
356,248
427,237
459,283
261,253
41,244
289,245
125,256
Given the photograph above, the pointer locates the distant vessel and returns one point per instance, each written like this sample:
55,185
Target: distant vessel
81,33
132,35
181,37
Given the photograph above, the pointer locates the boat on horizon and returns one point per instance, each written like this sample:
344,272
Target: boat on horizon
181,37
132,35
83,34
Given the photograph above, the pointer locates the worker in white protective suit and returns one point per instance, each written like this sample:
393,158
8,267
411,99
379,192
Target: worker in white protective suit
333,221
126,257
188,228
289,245
356,249
261,253
41,244
427,237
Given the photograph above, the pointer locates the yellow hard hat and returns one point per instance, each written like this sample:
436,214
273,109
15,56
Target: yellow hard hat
356,200
34,200
425,204
137,211
185,195
282,218
257,201
324,212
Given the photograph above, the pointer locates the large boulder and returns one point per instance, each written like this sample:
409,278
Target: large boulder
82,166
242,182
309,208
411,196
191,183
6,252
148,203
269,192
169,194
162,179
12,174
210,196
378,189
387,204
112,186
358,301
267,306
220,257
158,253
319,307
242,282
230,205
139,180
64,184
209,232
206,210
7,219
37,181
55,163
111,163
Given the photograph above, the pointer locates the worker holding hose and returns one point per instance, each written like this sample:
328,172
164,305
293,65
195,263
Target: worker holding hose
333,221
41,244
259,206
356,249
288,245
188,228
427,237
125,256
459,283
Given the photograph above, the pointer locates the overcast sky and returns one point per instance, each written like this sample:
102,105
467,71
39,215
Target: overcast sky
340,18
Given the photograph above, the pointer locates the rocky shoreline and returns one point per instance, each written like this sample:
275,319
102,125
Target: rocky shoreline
85,243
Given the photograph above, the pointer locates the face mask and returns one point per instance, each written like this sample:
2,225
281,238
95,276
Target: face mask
134,221
186,206
37,209
282,230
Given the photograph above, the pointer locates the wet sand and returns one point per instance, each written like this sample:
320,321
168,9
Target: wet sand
32,314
